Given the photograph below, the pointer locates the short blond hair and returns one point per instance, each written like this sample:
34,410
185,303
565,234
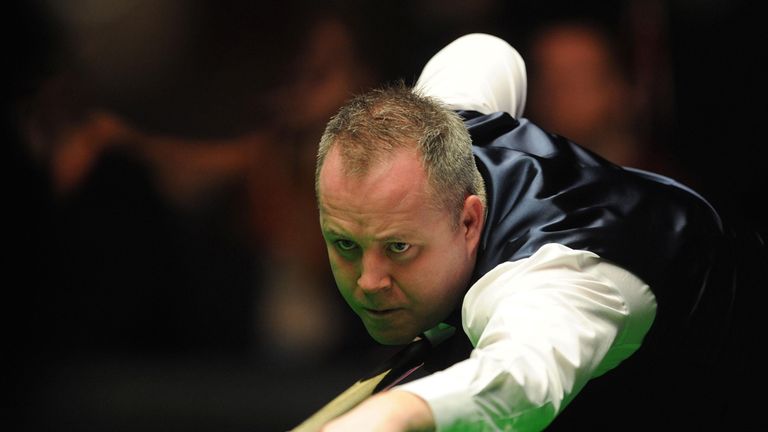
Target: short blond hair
372,125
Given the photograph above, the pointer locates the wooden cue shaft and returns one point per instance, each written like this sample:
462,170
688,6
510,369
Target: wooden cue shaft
344,402
399,366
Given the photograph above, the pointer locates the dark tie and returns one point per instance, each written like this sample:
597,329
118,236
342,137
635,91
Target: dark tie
405,362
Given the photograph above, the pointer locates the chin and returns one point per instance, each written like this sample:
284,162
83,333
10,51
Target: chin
387,338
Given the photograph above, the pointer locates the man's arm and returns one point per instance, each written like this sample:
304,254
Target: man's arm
542,327
390,411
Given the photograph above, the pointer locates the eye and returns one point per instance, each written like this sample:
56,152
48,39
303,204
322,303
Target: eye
399,247
345,245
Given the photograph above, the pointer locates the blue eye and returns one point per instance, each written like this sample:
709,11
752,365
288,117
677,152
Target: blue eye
399,247
345,245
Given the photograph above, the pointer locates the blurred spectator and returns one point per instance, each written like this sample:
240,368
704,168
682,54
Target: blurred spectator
217,121
168,156
585,84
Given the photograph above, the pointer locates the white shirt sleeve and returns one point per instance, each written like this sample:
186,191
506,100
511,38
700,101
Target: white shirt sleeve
541,327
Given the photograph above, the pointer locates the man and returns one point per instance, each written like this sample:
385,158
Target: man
554,257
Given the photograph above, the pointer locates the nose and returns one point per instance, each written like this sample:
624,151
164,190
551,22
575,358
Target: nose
374,273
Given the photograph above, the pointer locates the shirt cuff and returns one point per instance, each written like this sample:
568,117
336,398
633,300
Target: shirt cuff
446,394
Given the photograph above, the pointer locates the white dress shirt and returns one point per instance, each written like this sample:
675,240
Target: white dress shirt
541,327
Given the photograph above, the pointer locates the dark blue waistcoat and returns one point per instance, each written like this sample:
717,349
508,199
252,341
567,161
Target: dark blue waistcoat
542,188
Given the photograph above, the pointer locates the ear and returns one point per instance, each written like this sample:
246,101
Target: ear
472,222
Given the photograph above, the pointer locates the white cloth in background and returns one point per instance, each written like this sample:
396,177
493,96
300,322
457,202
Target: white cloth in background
478,72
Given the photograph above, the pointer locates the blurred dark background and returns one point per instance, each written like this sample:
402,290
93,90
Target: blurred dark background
167,271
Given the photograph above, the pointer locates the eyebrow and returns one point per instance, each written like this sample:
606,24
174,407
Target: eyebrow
387,239
333,232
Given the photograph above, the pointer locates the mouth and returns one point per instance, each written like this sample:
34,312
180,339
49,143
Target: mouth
381,313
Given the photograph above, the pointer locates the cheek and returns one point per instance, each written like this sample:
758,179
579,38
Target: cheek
447,272
343,272
431,278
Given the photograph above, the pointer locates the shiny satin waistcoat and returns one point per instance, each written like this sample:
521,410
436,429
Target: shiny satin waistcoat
542,188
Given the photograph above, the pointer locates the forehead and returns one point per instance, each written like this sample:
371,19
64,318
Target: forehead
395,187
387,172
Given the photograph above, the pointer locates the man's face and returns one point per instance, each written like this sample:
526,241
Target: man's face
400,263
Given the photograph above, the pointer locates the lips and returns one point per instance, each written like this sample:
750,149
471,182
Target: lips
381,312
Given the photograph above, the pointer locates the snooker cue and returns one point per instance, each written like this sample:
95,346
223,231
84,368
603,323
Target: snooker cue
342,403
391,372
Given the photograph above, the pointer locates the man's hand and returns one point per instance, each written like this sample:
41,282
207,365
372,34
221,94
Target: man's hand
390,411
